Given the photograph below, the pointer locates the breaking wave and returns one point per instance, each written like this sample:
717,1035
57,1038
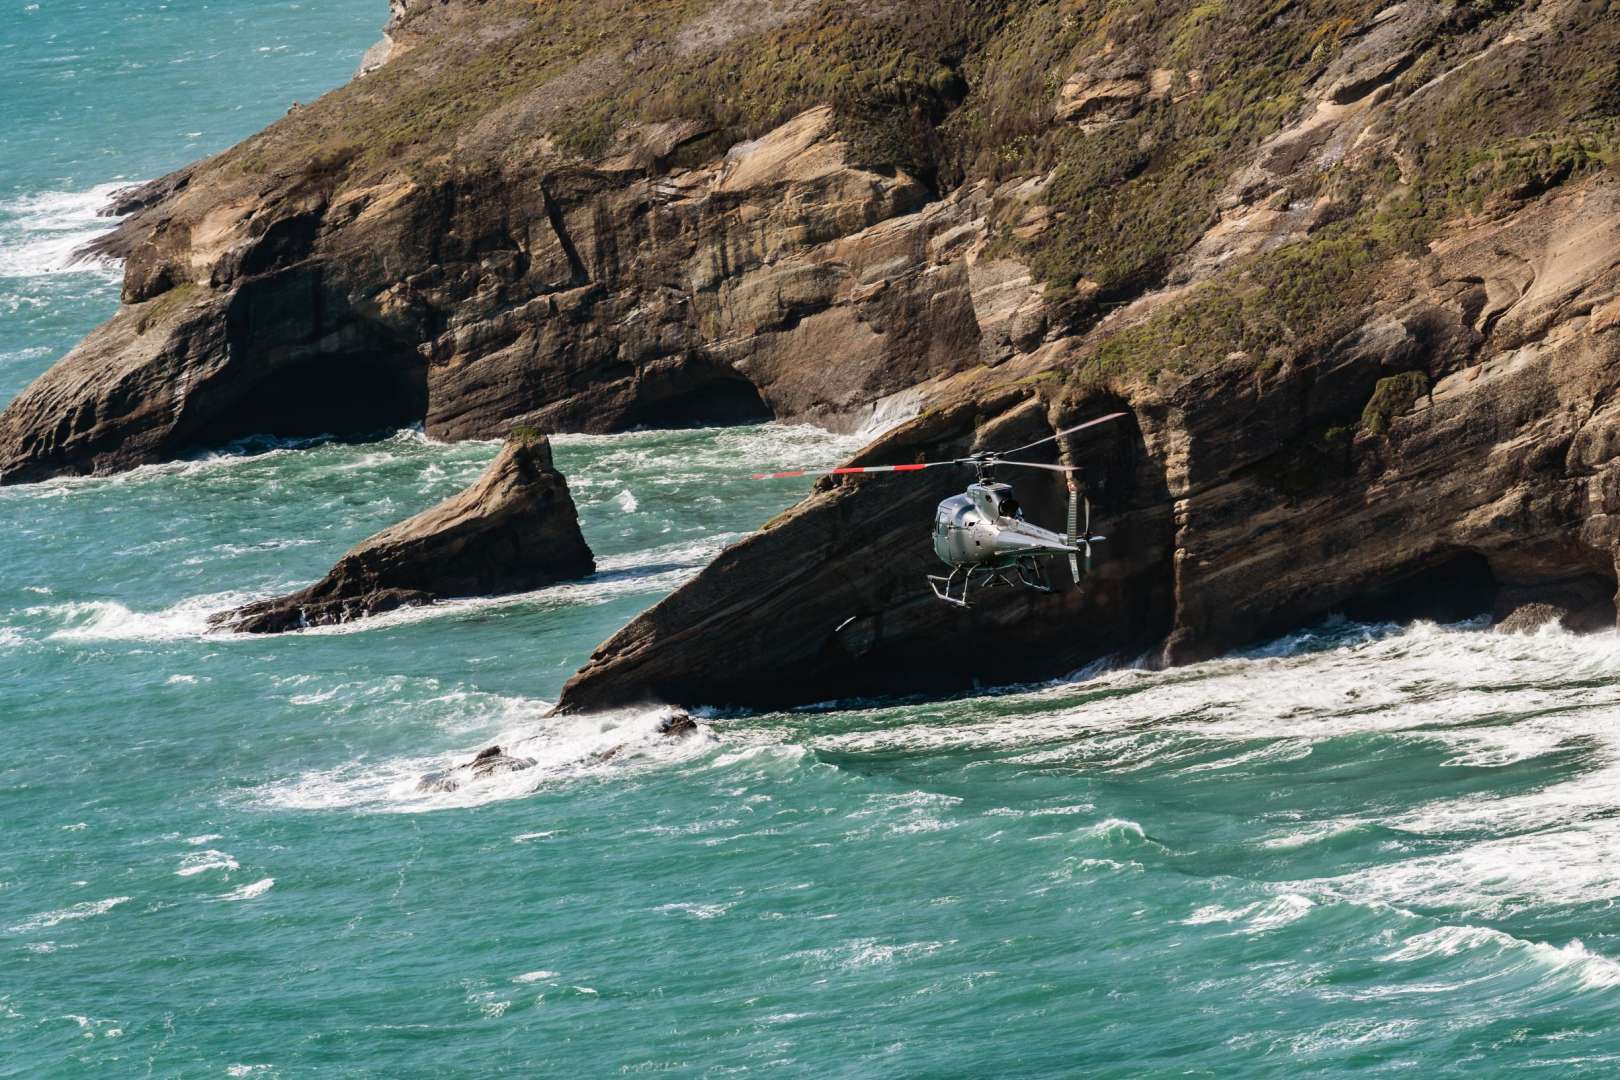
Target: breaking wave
42,234
562,749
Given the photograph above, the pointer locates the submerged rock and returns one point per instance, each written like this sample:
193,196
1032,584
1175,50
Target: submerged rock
1528,618
678,725
491,761
513,530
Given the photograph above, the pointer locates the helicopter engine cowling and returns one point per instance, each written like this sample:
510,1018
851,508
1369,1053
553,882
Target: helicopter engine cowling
985,525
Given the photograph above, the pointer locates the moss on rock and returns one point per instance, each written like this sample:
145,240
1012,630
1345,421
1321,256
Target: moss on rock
1391,398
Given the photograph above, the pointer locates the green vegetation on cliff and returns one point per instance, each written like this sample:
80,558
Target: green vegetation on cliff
1183,96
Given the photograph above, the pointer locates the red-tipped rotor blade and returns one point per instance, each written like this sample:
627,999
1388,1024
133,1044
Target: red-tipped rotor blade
1065,431
848,469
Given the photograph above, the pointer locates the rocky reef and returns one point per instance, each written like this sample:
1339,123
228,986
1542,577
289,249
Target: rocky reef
513,529
1350,266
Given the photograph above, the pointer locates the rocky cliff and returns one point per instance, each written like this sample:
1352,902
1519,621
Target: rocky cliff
1349,265
513,529
1413,467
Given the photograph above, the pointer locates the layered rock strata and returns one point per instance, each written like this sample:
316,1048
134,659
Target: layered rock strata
1238,506
514,529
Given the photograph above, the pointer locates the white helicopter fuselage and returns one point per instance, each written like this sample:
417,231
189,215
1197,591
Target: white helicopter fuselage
984,526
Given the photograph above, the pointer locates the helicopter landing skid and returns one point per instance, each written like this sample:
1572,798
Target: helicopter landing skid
954,587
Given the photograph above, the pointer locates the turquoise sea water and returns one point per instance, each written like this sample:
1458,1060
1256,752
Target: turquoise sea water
1362,850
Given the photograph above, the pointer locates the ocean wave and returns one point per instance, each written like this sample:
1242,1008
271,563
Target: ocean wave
1276,703
654,570
1588,970
272,453
86,910
42,234
866,953
563,749
108,620
200,862
1258,917
249,891
1495,878
667,457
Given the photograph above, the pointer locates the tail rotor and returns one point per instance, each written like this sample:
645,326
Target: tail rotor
1088,535
1074,528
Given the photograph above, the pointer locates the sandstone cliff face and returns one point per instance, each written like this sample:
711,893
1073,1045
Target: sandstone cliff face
595,299
1238,506
514,529
1349,265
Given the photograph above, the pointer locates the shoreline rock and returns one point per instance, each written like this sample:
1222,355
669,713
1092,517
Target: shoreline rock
1240,507
514,529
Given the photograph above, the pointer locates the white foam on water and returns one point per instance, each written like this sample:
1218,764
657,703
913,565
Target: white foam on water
1311,834
1258,917
1587,970
696,911
534,976
88,909
1495,878
1275,703
866,953
109,620
701,454
249,892
200,862
1476,698
42,234
627,502
563,749
259,451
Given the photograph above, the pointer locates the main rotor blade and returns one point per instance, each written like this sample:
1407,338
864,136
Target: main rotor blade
848,469
998,463
1060,434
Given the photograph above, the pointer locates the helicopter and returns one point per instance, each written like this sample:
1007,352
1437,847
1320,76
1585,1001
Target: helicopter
981,534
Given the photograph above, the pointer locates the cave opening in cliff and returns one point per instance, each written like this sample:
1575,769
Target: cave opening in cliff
347,396
1450,586
725,399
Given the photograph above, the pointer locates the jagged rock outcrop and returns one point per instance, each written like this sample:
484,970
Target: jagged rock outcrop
1349,265
513,529
589,219
1240,505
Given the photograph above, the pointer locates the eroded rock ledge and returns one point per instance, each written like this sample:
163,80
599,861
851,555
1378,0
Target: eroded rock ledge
1457,454
513,530
567,296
